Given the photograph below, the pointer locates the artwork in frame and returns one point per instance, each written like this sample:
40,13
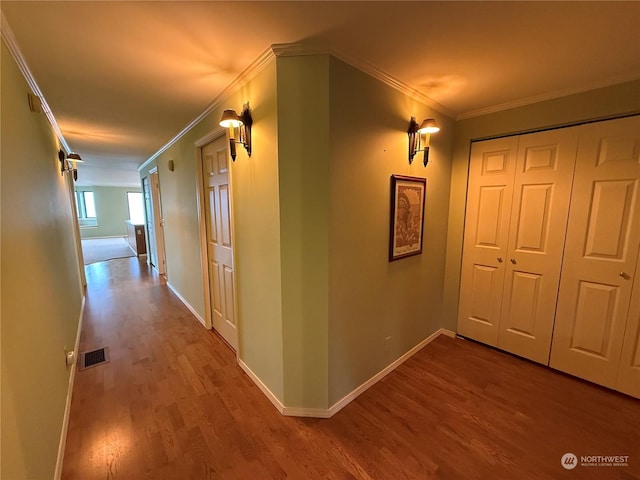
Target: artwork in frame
407,216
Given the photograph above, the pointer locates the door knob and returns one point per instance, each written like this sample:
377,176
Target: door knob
499,259
513,260
624,275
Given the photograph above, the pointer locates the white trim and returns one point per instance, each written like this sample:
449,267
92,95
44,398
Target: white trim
548,96
344,401
187,304
265,390
124,237
292,49
296,49
248,74
214,134
210,137
307,412
16,53
348,398
67,410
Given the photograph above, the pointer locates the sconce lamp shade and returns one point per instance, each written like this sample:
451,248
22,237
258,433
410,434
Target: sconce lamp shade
416,143
428,125
66,159
230,119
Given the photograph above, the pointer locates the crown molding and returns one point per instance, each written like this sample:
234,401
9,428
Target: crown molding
290,50
549,96
297,49
12,45
247,74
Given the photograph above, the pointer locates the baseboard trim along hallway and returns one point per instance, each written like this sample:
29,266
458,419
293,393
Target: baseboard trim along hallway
174,402
67,409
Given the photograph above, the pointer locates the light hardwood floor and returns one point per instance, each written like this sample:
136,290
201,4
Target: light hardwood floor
173,404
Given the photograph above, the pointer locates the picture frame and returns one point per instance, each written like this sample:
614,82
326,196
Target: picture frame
407,216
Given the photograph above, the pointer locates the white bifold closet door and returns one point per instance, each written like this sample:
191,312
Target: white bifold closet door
600,261
517,204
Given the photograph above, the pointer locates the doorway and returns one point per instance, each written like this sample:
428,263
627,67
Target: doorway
155,222
217,221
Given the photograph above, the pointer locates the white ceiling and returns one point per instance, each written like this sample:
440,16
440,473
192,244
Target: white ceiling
123,78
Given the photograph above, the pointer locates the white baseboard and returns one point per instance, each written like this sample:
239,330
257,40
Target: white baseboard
348,398
265,390
186,304
344,401
307,412
67,409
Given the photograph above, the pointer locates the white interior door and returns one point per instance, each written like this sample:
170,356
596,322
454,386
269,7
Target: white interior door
628,380
151,231
491,171
538,222
220,238
158,223
603,236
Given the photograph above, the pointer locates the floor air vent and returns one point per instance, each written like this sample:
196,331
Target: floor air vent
93,358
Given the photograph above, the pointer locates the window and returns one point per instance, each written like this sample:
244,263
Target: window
136,208
86,209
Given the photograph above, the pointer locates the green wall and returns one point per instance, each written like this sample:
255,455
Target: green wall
112,209
304,179
593,105
372,299
40,285
320,308
317,298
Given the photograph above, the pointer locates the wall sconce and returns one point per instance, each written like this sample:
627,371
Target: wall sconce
231,120
64,163
415,133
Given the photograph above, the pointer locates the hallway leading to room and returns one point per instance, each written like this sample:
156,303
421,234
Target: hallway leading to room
172,403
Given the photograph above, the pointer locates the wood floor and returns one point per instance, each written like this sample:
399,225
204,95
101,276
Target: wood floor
173,404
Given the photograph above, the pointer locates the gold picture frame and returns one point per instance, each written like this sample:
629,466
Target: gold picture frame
407,216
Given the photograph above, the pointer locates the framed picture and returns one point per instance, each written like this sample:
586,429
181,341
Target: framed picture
407,216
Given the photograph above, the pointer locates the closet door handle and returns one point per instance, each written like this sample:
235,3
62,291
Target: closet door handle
499,259
624,275
513,260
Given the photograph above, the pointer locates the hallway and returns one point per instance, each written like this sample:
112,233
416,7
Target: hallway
172,403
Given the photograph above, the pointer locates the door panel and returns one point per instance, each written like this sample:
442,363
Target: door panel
158,223
603,236
489,223
151,232
491,170
220,239
542,190
609,221
593,317
628,379
525,292
535,206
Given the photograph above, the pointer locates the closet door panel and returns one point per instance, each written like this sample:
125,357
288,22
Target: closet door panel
628,379
603,236
489,195
542,190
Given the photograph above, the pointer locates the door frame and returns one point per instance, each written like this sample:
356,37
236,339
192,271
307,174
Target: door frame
202,221
158,222
148,218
